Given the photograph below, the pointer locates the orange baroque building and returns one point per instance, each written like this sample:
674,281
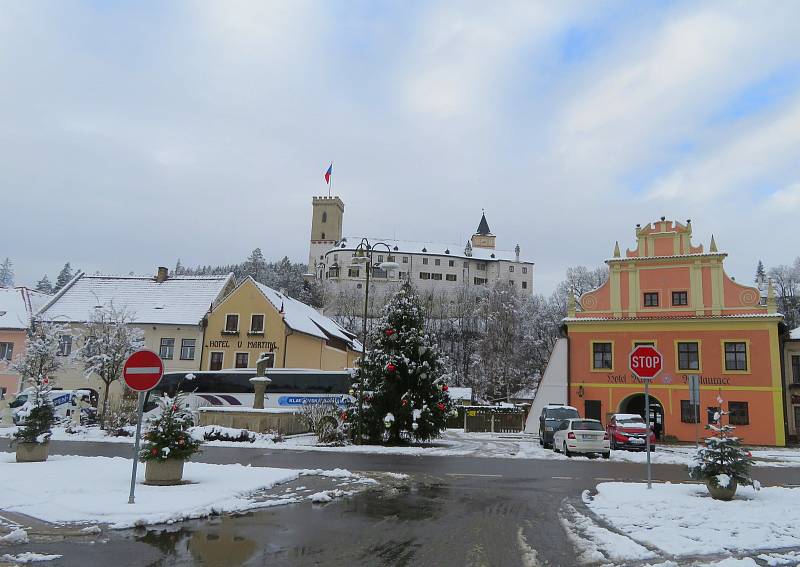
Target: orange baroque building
676,296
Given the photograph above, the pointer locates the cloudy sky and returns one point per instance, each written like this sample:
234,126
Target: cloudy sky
136,133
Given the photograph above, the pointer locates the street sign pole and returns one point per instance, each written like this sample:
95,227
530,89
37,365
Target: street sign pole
647,430
694,399
139,413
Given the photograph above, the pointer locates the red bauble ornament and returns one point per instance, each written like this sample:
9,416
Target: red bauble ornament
344,416
389,332
391,367
46,381
174,408
444,388
405,402
440,405
154,451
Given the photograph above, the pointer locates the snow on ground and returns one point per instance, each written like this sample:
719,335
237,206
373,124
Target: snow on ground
27,557
71,489
454,442
682,520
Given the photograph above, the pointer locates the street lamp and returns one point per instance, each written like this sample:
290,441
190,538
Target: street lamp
363,255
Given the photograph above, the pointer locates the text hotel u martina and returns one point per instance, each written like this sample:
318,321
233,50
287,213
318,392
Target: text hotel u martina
676,297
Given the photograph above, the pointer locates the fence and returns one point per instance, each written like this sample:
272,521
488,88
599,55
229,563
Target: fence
480,419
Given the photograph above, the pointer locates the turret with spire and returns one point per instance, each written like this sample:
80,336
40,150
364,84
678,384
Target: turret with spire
483,237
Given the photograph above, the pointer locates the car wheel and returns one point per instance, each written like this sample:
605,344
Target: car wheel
652,448
607,455
541,439
566,450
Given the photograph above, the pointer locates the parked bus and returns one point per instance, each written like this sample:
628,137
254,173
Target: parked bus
290,388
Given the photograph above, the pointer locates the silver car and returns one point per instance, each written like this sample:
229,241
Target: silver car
585,436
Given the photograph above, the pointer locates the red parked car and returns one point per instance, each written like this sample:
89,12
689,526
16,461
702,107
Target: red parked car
628,431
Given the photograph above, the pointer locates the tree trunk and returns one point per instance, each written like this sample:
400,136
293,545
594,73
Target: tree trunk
104,406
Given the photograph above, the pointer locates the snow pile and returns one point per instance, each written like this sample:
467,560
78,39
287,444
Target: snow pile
28,557
681,519
335,473
326,496
16,537
58,490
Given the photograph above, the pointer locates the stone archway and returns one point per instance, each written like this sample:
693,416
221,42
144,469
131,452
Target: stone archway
635,404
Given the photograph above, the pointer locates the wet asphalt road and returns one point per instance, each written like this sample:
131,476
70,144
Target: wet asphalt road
459,511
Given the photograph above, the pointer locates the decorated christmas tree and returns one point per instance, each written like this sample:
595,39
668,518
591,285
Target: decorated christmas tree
723,462
168,436
404,378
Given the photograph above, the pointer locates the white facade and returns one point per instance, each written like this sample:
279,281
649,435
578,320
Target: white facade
430,267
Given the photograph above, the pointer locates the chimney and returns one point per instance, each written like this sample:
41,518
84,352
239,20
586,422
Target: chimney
162,275
516,251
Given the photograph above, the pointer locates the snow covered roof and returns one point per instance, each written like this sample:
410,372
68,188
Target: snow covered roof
460,393
349,243
178,300
524,394
17,305
795,333
305,319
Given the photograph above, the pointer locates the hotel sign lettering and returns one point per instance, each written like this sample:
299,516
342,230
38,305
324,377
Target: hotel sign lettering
268,346
706,380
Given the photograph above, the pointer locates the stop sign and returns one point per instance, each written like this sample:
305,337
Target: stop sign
143,370
645,362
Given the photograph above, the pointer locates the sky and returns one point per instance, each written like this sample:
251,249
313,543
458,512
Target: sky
136,133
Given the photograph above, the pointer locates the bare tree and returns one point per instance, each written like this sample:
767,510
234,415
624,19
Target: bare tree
41,359
786,280
109,339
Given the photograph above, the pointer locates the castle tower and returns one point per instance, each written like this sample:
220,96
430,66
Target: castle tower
326,228
483,237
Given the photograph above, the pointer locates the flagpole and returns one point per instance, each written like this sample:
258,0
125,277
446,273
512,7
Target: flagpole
330,185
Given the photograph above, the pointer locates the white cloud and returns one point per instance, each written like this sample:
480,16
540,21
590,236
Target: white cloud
786,200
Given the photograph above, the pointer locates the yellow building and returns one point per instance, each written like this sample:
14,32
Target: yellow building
255,319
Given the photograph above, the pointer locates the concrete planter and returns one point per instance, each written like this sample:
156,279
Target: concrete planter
163,473
31,452
722,492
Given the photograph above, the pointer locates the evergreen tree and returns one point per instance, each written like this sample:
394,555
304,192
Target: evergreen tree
179,269
723,460
255,266
7,273
761,274
168,436
44,285
403,378
64,277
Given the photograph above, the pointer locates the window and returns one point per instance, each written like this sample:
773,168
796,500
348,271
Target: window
738,413
651,299
257,323
380,258
405,259
379,273
524,285
451,263
466,264
167,350
215,362
481,267
352,272
333,273
242,358
511,268
324,217
796,369
437,262
425,261
424,275
511,282
187,349
601,356
680,298
688,414
232,323
524,270
390,258
436,277
323,236
450,277
688,356
402,275
335,257
64,345
736,356
6,351
480,281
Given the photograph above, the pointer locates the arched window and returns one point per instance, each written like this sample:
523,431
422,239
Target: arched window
324,216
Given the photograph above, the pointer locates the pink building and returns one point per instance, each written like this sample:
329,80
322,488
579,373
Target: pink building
17,306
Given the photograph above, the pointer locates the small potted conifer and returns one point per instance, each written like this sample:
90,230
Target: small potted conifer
168,443
723,464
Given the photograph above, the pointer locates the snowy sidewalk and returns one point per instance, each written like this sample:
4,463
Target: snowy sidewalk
679,524
94,490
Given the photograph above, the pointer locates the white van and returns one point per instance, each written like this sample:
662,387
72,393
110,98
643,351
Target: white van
64,402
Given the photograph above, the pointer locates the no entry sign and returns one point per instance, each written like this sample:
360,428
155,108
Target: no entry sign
143,370
646,362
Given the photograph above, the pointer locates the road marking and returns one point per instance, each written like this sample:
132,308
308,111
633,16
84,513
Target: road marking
604,478
563,478
474,474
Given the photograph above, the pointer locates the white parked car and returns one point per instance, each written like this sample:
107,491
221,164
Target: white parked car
585,436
